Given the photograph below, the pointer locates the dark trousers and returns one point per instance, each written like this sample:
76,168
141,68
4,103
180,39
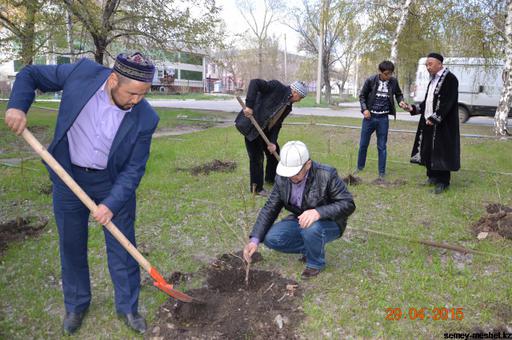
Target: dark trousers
380,124
437,176
72,222
257,150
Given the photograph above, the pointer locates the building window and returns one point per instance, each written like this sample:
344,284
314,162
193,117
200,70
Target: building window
63,60
191,75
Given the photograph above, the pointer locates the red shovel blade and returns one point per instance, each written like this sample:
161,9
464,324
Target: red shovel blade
168,288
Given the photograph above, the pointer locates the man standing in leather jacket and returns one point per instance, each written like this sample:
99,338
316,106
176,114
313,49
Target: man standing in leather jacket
376,99
269,102
320,205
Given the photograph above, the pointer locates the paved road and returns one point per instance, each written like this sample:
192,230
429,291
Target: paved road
345,110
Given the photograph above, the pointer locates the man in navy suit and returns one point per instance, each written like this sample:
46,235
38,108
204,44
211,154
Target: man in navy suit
102,139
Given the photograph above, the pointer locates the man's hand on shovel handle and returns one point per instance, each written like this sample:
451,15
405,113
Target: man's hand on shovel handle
249,249
16,120
103,215
248,112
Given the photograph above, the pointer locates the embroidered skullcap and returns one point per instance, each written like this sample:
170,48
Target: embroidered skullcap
300,88
436,55
135,66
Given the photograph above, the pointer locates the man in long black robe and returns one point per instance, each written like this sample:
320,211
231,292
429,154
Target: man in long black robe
437,142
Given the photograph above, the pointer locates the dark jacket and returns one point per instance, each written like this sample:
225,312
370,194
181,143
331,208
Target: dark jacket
265,98
369,91
79,82
324,191
445,152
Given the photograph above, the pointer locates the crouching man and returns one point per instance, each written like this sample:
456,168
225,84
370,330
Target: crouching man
320,205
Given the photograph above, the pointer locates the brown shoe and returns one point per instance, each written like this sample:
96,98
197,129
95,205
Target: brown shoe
309,273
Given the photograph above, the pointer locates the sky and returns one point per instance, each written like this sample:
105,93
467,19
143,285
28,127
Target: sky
235,23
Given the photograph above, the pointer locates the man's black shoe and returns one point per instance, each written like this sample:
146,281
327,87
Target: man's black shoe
309,273
430,181
135,321
72,322
440,188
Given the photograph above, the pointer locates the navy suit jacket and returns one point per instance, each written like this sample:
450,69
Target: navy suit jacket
79,82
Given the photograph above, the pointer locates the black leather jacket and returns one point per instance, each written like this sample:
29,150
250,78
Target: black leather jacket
324,191
369,91
265,98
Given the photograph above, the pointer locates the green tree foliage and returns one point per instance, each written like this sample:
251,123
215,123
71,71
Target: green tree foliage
147,24
462,28
28,24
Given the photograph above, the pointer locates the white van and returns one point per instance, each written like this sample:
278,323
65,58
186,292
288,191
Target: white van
480,84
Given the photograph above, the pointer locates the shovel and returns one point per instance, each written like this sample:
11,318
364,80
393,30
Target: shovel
111,227
258,127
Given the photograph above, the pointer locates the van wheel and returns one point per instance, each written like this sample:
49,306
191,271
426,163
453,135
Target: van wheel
463,114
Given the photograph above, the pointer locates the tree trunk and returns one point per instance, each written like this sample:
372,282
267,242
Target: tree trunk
260,59
399,29
101,45
69,35
27,40
501,116
326,75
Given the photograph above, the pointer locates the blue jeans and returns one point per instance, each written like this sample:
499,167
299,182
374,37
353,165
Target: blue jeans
288,237
379,123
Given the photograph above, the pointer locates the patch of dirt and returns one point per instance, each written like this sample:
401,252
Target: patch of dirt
497,222
503,312
268,308
46,189
215,165
386,184
352,180
19,229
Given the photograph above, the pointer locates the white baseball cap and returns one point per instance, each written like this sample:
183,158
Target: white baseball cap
294,155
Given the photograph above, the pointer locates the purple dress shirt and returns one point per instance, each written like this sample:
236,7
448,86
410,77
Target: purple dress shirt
295,198
91,135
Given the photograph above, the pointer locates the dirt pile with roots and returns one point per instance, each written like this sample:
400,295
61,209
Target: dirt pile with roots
269,307
497,221
215,165
19,229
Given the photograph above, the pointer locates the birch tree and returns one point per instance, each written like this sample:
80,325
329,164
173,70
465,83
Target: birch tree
399,28
501,116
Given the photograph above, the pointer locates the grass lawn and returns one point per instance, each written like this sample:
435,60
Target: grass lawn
180,225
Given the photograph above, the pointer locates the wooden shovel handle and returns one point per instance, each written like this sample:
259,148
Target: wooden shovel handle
89,203
258,127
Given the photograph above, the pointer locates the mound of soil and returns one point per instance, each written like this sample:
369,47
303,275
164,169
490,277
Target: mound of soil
215,165
267,308
497,221
352,180
383,183
19,229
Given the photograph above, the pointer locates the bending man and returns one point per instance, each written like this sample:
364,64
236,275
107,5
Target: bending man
102,139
